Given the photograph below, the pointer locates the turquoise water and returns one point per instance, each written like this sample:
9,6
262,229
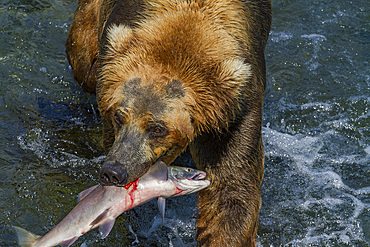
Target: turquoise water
316,131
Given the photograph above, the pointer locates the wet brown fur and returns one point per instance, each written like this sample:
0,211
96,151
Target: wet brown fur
215,49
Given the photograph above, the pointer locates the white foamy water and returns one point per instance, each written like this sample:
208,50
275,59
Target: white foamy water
321,208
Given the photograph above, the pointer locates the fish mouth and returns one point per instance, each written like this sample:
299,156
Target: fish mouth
198,176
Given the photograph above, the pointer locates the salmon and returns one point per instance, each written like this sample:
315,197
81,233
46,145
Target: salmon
99,205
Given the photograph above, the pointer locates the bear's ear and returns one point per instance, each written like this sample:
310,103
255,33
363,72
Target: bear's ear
235,71
119,38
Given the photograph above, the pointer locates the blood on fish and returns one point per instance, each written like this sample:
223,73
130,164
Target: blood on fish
134,183
178,191
131,193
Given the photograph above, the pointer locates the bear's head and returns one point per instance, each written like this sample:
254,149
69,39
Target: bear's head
157,92
147,122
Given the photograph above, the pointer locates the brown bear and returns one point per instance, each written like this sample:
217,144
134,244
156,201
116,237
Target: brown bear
173,73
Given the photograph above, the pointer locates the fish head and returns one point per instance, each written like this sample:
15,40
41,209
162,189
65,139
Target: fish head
187,180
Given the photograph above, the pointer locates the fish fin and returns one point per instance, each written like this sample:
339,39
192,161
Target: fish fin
25,238
100,218
158,171
68,242
162,207
105,228
84,193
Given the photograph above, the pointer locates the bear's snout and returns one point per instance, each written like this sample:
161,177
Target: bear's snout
113,174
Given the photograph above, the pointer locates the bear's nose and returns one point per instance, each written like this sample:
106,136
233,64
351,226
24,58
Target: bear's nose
112,173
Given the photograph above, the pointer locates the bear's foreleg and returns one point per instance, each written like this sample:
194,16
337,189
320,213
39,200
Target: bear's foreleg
229,207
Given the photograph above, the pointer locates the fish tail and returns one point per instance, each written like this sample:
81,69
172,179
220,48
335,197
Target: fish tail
25,238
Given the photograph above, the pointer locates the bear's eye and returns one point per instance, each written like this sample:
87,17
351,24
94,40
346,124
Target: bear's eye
157,131
119,117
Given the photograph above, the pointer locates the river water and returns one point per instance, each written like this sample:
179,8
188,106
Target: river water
316,123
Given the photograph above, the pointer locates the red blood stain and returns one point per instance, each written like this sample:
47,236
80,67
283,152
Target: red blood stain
178,191
131,193
134,183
